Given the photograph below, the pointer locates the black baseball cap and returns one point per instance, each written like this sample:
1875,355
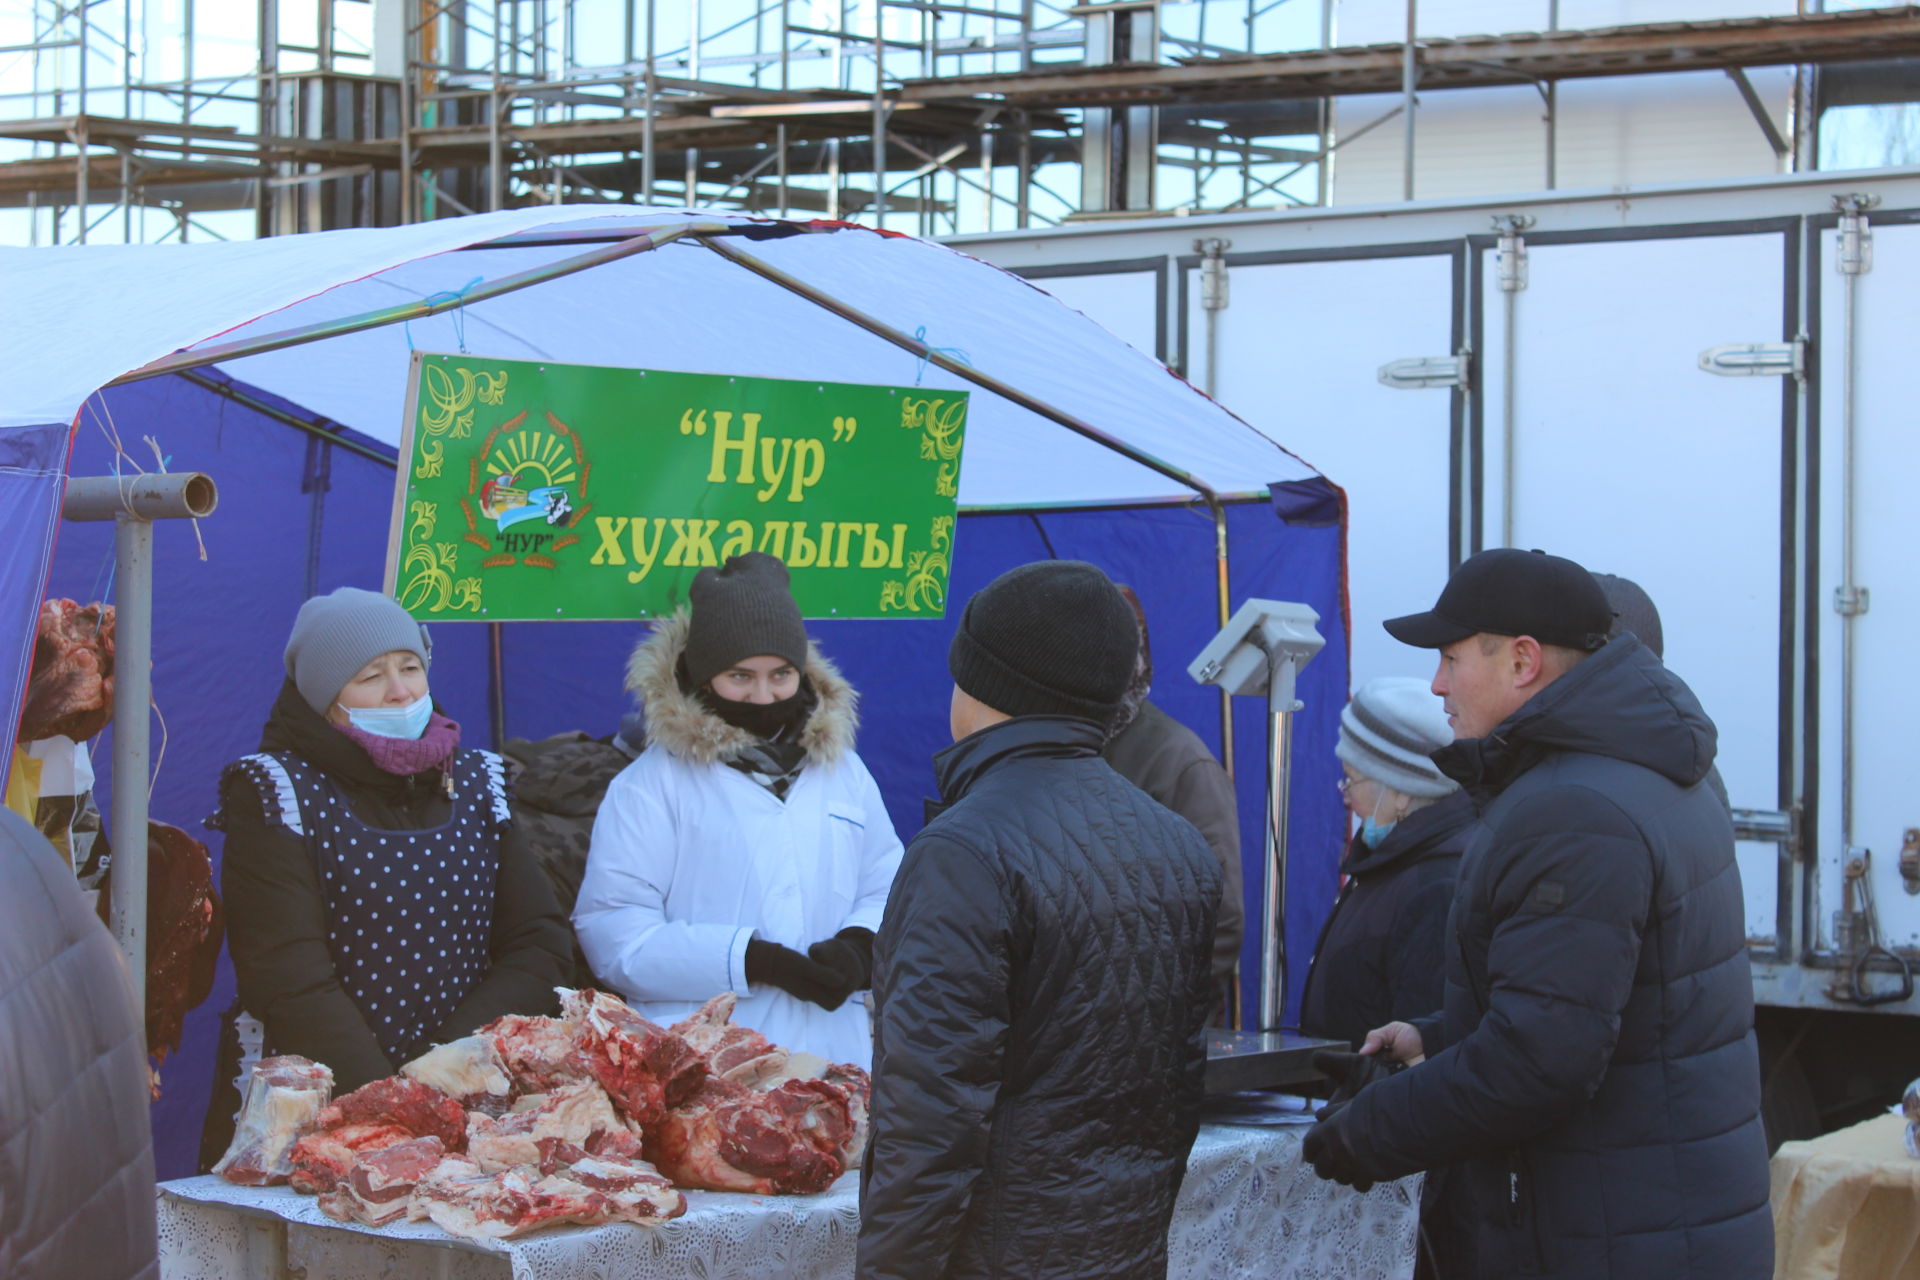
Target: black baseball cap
1509,592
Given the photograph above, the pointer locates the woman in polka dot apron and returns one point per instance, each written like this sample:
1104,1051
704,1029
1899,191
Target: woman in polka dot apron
747,849
379,900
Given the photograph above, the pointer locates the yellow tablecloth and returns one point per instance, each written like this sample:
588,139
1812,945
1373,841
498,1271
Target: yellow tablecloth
1846,1206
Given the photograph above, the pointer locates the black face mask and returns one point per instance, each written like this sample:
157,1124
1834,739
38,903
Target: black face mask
768,720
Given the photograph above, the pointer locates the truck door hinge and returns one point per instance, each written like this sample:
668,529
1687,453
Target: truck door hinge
1757,359
1418,372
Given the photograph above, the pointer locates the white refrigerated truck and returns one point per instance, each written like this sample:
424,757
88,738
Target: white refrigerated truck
1713,390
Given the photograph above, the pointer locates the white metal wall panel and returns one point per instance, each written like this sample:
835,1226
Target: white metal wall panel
1609,132
1301,344
1126,304
1887,706
1632,461
1381,21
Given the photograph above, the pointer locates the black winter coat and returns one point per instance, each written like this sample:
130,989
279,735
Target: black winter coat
1379,958
277,917
1593,1078
1040,991
1169,762
76,1155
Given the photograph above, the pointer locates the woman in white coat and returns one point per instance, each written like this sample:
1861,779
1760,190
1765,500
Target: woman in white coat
747,849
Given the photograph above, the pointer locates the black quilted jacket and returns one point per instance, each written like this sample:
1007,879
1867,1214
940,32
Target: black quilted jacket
1040,990
1593,1081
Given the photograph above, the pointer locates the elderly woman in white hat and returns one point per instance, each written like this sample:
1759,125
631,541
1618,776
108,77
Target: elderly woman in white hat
1379,957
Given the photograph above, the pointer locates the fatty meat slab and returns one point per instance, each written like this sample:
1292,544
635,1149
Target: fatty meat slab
285,1095
735,1053
379,1186
643,1066
787,1140
469,1070
539,1052
464,1200
580,1114
376,1115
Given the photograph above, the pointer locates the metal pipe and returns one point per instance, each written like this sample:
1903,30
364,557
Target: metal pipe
1511,264
1223,599
1273,941
155,496
133,695
1854,260
879,117
646,121
132,502
933,355
1409,76
202,356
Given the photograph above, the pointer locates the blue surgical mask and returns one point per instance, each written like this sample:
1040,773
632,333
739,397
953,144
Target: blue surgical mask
409,721
1372,832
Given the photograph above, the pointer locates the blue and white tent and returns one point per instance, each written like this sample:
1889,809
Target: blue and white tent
116,357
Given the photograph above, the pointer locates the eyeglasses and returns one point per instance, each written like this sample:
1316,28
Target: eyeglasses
1346,784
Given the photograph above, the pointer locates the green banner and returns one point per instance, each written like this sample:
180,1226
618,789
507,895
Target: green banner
541,491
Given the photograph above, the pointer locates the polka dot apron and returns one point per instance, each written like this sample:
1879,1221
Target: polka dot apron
409,913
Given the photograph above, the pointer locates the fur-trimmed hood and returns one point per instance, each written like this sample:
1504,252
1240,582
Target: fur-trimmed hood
677,721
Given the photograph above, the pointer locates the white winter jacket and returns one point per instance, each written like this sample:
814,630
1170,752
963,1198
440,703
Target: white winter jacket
691,858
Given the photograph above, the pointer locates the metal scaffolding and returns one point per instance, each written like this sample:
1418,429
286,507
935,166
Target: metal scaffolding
135,119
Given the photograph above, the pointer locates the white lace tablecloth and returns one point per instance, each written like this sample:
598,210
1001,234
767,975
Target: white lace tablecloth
1248,1208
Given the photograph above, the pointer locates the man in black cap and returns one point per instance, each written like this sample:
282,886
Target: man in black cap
1041,977
1591,1090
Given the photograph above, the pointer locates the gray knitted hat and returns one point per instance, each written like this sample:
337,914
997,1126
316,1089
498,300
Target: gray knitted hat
743,609
1051,638
337,634
1389,731
1633,611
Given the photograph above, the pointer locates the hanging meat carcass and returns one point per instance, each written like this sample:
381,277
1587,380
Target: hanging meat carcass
185,927
70,691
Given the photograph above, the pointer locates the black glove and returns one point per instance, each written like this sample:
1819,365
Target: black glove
1349,1073
848,953
1326,1149
783,967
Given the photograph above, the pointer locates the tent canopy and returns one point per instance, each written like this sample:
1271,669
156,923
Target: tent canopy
79,317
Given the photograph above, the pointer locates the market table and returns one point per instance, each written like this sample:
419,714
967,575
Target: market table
1847,1204
1248,1208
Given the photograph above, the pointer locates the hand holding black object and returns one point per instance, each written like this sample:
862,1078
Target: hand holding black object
783,967
1349,1072
1326,1149
848,953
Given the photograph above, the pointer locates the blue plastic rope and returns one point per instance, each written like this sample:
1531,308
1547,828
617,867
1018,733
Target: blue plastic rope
920,336
459,313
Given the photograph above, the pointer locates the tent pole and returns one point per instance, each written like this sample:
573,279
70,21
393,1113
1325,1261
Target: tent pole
201,356
1226,710
933,355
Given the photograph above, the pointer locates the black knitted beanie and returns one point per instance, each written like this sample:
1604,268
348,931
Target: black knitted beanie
1054,637
743,609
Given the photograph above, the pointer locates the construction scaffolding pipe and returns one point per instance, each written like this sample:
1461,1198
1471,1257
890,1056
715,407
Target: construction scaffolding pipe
133,503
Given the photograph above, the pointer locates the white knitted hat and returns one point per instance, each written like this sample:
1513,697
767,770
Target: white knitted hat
1389,731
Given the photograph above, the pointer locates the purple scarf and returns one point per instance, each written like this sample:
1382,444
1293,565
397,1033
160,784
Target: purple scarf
433,749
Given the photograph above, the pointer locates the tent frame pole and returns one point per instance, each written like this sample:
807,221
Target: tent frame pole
933,355
199,357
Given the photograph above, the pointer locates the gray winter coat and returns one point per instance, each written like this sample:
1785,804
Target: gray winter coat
76,1153
1593,1080
1040,990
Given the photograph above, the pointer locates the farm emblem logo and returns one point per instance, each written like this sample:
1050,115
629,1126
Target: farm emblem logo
530,485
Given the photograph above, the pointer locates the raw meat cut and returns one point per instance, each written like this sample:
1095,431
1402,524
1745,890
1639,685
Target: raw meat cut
644,1067
70,690
185,926
539,1052
859,1089
469,1070
374,1116
321,1160
575,1113
284,1096
378,1187
727,1137
467,1201
735,1053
